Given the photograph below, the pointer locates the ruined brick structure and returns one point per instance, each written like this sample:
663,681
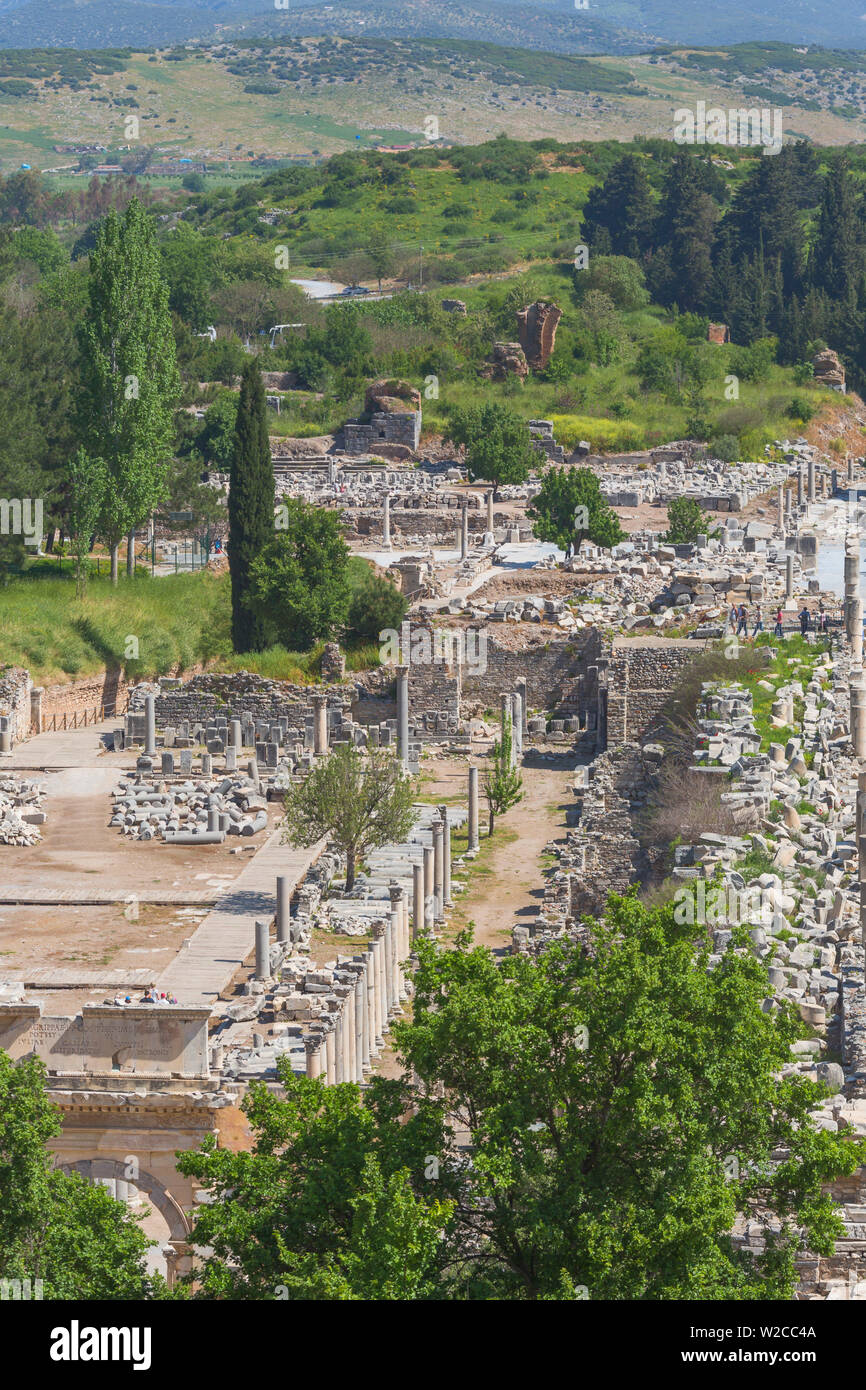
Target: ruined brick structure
642,673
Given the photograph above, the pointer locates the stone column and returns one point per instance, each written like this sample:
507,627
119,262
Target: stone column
396,931
417,901
850,469
517,728
429,868
320,724
858,715
788,506
330,1053
361,1058
403,716
464,532
800,486
263,952
834,481
236,740
811,467
36,694
149,726
386,522
490,509
473,808
377,933
284,893
789,576
506,713
313,1048
395,891
446,857
781,507
349,1038
438,868
370,982
520,685
339,1054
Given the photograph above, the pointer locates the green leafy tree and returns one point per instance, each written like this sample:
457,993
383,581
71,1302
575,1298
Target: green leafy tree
251,506
325,1207
624,1105
55,1226
299,582
571,508
497,443
88,479
216,439
129,375
381,255
686,522
361,802
503,784
376,605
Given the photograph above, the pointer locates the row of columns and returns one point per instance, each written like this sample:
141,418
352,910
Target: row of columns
370,991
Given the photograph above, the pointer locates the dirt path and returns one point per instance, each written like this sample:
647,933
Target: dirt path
507,884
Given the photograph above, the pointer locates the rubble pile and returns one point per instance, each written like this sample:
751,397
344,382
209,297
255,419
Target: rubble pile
204,810
21,812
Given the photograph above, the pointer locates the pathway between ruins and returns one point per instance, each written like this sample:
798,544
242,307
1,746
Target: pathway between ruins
207,962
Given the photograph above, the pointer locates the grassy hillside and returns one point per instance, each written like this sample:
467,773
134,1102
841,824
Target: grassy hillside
311,97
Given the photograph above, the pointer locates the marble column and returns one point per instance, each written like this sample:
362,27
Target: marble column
811,467
800,486
370,982
473,809
789,576
313,1049
149,726
403,716
362,1059
781,507
330,1053
417,901
386,522
446,857
490,510
464,532
377,933
263,964
284,893
438,869
320,724
339,1055
517,728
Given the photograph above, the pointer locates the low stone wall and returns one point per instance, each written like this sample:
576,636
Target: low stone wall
108,691
641,676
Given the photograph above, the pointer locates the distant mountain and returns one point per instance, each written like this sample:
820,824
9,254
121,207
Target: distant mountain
616,26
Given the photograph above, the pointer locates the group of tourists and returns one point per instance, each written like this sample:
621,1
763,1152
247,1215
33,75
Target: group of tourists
738,620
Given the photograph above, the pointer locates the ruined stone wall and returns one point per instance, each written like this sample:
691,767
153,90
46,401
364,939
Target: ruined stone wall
640,679
108,690
561,675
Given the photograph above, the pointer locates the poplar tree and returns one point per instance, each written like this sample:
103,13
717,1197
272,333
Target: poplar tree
251,505
130,380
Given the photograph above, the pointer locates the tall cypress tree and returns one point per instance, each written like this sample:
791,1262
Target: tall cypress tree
129,374
251,504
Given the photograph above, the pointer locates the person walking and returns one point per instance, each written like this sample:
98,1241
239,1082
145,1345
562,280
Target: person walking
742,624
777,630
759,622
804,621
732,618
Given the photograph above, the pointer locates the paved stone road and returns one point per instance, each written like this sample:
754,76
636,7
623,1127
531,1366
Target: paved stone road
206,963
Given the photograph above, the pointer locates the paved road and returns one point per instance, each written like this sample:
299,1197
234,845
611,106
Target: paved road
218,948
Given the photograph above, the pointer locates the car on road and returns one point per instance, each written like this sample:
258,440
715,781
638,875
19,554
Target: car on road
354,289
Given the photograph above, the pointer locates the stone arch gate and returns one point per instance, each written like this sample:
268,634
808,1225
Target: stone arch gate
117,1176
